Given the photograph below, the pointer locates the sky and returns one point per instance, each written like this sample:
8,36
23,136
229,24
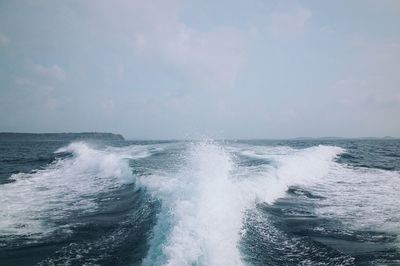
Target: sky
191,69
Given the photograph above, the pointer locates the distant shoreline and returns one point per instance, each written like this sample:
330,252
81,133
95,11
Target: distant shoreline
112,136
60,136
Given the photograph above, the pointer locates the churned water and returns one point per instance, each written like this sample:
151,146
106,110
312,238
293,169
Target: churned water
288,202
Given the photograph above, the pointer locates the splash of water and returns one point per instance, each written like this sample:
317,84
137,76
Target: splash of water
66,185
204,204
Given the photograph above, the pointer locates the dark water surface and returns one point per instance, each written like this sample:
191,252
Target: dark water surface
287,202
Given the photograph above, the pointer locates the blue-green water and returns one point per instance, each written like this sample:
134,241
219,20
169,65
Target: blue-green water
293,202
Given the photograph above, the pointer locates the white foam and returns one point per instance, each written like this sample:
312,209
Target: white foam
290,167
204,204
198,201
362,198
30,203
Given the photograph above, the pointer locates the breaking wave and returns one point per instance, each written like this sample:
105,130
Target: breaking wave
205,203
64,186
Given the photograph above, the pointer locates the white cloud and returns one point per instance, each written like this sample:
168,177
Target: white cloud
53,72
23,81
369,94
4,41
39,77
39,83
289,22
52,104
379,61
108,106
213,57
120,72
157,34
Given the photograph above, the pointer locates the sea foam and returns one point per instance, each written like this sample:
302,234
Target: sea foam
205,203
34,200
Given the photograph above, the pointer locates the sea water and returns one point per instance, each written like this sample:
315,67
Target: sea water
281,202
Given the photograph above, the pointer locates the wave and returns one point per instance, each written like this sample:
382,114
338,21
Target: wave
290,167
205,203
32,203
362,198
208,192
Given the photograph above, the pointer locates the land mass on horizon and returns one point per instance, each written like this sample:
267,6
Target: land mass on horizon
60,136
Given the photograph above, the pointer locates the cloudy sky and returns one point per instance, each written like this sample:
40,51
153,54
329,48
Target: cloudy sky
187,69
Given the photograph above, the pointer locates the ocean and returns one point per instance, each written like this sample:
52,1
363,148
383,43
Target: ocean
210,202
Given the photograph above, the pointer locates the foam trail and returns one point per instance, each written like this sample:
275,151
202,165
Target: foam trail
71,184
204,205
353,194
290,167
361,198
200,207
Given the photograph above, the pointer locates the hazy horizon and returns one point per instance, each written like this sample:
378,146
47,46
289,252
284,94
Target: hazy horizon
188,70
205,138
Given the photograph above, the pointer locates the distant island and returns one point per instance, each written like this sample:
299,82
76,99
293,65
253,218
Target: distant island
11,136
344,138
